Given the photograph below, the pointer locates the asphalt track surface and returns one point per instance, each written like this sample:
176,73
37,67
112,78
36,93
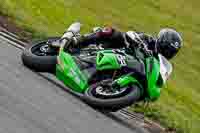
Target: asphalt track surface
31,104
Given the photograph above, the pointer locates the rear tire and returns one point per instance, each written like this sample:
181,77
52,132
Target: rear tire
39,63
113,104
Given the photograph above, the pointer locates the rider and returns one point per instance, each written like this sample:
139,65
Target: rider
167,43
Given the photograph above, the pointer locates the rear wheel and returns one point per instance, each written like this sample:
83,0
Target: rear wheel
101,95
40,56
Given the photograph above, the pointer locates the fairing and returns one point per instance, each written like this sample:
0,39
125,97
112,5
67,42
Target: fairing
68,72
153,73
107,60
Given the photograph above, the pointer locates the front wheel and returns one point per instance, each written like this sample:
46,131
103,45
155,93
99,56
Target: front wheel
40,57
102,96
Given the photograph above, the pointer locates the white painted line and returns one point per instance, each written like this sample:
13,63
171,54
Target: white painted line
12,43
12,38
10,33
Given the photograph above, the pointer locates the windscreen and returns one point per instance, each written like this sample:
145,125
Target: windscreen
165,67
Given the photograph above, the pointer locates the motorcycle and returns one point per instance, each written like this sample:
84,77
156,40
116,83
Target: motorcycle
107,79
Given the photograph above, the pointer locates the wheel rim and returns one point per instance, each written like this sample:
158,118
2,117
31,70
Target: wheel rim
104,89
101,91
44,49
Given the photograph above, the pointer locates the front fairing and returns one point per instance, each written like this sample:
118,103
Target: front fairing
152,75
157,71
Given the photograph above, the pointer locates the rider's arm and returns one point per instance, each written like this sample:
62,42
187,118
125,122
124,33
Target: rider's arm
146,43
107,36
150,41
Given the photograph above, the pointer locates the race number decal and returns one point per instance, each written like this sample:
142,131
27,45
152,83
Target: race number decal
122,60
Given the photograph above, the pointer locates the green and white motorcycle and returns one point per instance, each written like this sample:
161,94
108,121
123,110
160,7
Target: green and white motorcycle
105,78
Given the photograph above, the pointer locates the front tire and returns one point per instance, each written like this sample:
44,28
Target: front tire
45,63
113,103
